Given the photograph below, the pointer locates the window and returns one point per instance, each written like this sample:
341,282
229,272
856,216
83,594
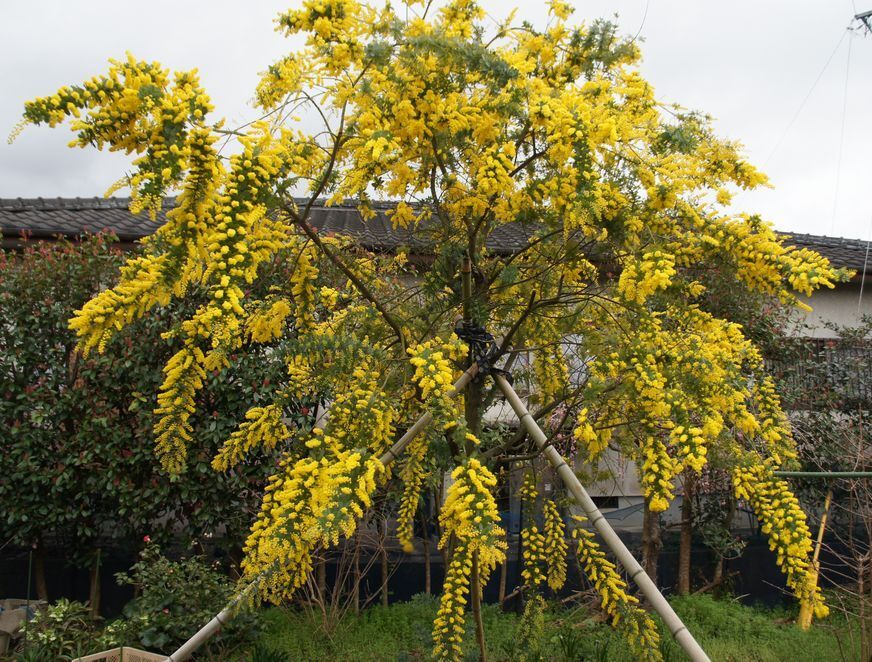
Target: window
605,502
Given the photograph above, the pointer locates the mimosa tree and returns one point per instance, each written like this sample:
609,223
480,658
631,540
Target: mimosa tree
470,127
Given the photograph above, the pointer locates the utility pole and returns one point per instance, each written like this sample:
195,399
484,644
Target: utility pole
865,18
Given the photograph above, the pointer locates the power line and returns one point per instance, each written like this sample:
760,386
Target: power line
863,273
805,99
642,24
841,136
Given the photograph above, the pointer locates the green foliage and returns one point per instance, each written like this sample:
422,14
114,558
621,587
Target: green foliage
727,630
62,632
732,632
44,412
78,456
531,629
174,600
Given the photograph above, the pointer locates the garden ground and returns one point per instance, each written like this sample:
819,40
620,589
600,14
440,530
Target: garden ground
727,630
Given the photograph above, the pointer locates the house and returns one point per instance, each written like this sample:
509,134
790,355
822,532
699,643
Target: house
621,498
47,218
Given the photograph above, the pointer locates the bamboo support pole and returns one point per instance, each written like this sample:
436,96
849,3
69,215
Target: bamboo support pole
679,631
806,608
212,627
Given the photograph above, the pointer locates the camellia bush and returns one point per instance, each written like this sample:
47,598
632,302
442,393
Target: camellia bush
472,129
78,463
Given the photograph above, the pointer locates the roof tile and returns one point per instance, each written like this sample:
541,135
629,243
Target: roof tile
72,217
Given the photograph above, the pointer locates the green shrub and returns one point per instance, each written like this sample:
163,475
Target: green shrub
175,599
63,631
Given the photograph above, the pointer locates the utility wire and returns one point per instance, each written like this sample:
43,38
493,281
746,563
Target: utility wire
863,273
841,136
805,100
642,24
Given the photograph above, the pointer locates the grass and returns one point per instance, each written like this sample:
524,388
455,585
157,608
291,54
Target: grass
727,630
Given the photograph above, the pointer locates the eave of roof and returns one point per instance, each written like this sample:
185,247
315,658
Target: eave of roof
44,218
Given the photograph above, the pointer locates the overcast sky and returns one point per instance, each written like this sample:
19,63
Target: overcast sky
748,63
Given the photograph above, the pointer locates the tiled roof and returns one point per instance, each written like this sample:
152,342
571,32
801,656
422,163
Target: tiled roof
849,253
71,217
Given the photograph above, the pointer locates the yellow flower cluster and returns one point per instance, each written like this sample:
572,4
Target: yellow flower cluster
585,435
470,513
549,365
402,216
332,26
361,415
764,263
303,288
263,427
300,374
141,287
535,559
640,279
658,473
183,378
683,377
434,372
135,108
470,519
413,475
308,503
783,520
533,544
267,321
690,445
493,168
621,608
549,368
555,546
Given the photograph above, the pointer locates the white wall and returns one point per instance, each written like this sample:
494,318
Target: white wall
840,305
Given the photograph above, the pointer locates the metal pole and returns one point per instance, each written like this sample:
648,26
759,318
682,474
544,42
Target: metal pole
655,598
212,627
823,474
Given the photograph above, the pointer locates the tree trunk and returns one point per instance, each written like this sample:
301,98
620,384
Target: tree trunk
383,553
94,591
720,566
472,406
504,572
652,542
322,578
472,411
475,590
355,591
39,571
425,535
686,544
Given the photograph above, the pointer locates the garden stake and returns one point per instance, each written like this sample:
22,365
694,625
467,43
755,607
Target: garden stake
679,631
212,627
806,609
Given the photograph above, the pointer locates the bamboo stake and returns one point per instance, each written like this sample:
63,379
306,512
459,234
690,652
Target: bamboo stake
212,627
679,631
806,609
